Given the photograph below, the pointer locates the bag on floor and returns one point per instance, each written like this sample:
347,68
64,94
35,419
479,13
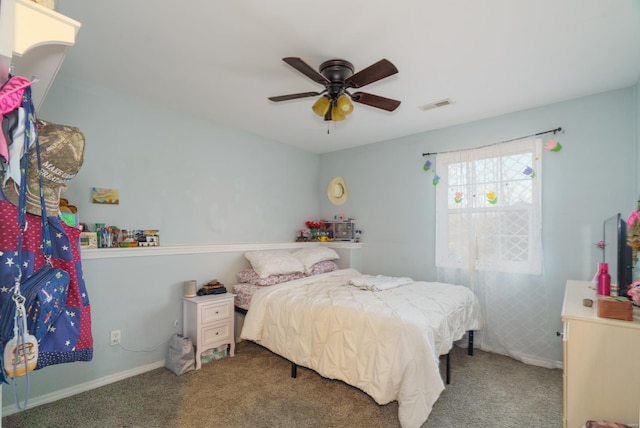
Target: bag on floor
181,355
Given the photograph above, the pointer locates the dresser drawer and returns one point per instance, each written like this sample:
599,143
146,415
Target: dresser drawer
216,334
215,311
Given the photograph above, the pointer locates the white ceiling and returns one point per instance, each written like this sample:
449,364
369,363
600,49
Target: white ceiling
220,60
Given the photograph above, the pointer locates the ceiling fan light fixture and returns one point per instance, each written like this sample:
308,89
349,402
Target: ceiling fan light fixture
321,106
344,104
337,115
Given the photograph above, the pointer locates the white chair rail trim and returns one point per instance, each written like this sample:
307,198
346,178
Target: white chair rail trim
111,253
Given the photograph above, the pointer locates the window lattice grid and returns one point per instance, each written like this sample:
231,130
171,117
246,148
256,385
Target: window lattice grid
470,183
504,237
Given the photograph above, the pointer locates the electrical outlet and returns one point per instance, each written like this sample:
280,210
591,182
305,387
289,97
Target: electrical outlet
115,337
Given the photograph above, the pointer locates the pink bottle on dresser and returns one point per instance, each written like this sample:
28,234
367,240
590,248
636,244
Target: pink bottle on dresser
604,280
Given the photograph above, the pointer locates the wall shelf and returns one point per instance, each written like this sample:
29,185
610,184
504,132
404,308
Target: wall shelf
34,40
111,253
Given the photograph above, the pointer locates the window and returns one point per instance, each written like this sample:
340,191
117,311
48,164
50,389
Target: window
488,208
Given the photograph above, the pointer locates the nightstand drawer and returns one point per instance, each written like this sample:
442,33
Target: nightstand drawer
215,334
216,311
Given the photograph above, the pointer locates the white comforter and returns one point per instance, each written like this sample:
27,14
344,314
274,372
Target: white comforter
385,343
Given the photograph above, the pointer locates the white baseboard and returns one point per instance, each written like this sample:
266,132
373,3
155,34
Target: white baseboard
525,358
83,387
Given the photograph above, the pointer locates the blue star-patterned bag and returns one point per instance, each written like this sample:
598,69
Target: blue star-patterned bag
41,297
45,293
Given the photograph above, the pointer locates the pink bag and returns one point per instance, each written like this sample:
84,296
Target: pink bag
10,99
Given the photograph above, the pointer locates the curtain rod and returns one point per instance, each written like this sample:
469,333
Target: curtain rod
507,141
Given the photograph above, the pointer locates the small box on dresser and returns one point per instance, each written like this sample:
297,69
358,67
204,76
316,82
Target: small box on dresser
208,322
51,4
617,308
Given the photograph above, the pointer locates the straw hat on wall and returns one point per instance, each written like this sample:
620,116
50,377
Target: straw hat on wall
337,191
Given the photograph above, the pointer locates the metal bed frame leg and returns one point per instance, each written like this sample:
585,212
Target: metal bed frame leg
448,368
448,357
294,370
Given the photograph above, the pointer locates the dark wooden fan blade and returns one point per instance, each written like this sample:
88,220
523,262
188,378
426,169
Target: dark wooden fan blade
294,96
375,101
373,73
305,69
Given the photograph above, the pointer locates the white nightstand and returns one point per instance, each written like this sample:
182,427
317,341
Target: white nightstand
208,321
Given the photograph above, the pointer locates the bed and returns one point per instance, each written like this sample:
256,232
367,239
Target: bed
386,343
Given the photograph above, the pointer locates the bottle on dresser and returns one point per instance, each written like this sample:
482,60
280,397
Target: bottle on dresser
604,280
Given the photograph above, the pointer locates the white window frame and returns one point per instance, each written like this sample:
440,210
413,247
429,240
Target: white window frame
465,251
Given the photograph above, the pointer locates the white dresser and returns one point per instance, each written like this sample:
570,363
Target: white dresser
601,361
208,322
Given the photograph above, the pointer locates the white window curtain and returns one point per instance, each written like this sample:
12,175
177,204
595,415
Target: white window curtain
488,238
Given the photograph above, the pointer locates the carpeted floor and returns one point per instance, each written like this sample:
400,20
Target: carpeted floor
255,389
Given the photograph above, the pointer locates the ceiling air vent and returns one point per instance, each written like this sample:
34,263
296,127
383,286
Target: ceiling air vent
437,104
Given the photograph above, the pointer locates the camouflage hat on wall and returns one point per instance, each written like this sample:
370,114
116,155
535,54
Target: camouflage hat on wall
61,155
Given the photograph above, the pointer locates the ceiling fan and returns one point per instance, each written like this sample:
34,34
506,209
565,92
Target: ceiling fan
337,77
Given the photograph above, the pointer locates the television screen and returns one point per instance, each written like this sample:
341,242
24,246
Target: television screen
617,254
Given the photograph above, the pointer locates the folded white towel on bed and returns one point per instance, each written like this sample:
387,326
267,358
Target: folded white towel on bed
379,282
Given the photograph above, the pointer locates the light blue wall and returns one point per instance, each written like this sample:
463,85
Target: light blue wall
196,182
637,107
592,178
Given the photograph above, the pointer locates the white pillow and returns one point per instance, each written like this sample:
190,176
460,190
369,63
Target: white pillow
310,256
267,263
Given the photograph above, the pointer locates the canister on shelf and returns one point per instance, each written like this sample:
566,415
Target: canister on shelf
190,288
